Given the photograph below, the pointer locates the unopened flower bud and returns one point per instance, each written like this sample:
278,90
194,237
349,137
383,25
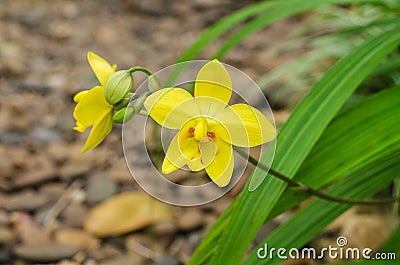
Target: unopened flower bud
140,101
117,86
125,101
153,84
123,115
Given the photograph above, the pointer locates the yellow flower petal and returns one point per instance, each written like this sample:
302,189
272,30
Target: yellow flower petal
208,150
246,125
221,168
102,69
209,106
218,132
188,146
92,107
171,107
213,81
80,127
195,165
80,95
174,159
168,167
99,131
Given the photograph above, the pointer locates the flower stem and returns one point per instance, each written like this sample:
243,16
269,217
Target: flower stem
306,188
140,69
143,113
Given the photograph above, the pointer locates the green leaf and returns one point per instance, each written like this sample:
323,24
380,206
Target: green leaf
376,119
342,150
274,10
296,139
310,220
278,10
221,27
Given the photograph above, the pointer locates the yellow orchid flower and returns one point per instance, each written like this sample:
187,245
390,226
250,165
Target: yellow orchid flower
208,127
92,109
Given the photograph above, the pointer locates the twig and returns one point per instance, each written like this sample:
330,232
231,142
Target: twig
309,190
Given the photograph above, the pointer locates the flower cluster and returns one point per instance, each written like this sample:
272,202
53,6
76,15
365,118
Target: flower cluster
207,126
99,106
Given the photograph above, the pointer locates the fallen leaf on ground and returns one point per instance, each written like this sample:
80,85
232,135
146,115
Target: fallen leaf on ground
126,212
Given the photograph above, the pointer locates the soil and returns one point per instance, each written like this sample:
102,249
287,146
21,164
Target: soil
47,188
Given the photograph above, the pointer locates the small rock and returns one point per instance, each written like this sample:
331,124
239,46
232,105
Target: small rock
32,17
6,255
6,168
70,10
221,205
4,220
43,135
168,260
25,200
154,7
209,220
358,230
165,228
207,4
6,235
57,151
31,234
119,172
106,251
124,260
100,187
72,170
45,253
77,238
53,191
68,262
12,63
56,81
190,219
75,214
60,31
33,87
43,215
5,184
41,169
12,137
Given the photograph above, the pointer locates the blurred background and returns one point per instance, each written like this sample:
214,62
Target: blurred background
51,197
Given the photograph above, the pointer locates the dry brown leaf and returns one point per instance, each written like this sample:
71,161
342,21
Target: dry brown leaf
126,212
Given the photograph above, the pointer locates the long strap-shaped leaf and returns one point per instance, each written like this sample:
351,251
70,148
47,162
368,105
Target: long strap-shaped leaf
362,134
297,137
276,10
309,221
270,11
373,134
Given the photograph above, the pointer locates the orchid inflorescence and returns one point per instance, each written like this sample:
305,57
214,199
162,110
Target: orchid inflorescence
207,126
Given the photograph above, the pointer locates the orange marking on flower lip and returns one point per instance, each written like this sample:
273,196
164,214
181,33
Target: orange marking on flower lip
211,135
191,132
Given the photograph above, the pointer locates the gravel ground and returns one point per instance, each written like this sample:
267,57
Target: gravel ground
49,194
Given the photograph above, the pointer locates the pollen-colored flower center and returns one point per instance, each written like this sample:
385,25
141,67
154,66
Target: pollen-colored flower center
211,135
200,130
